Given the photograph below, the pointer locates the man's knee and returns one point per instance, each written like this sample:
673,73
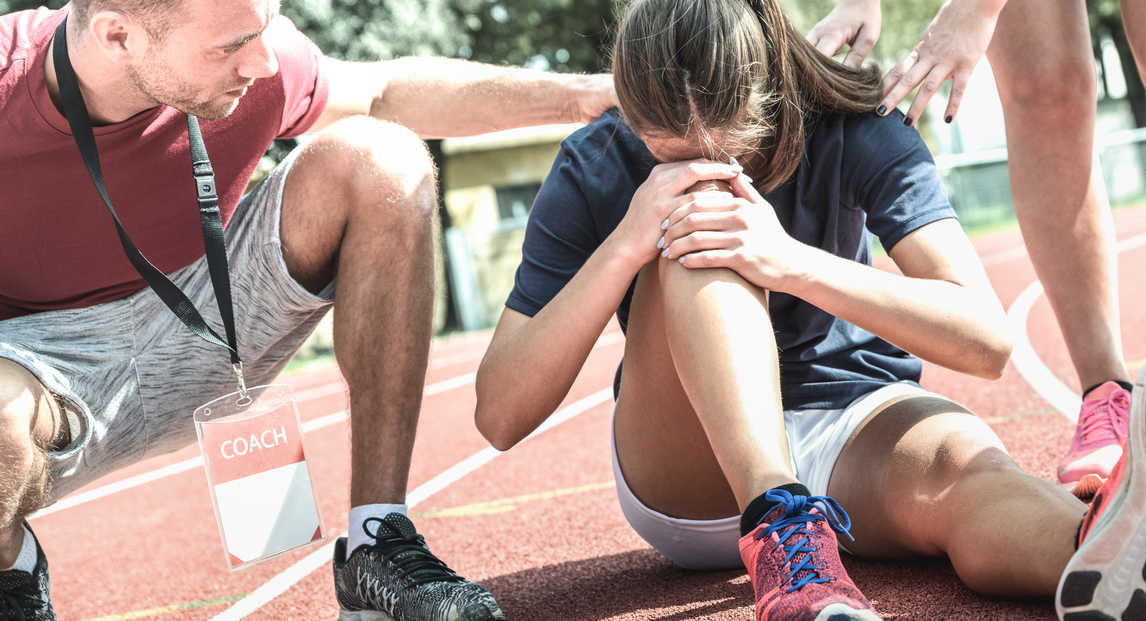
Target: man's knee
375,164
29,423
28,411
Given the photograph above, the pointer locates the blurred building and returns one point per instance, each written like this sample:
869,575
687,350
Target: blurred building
489,183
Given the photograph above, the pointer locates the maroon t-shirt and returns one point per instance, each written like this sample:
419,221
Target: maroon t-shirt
58,245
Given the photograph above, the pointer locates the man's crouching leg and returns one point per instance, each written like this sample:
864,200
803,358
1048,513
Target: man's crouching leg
31,423
358,208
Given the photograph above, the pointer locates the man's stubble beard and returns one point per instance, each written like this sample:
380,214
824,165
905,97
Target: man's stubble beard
169,91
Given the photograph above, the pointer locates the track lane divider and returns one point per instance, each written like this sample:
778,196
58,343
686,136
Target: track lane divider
169,470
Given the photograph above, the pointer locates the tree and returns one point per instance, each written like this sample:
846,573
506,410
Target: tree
561,35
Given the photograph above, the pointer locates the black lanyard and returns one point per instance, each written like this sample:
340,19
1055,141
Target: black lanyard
77,115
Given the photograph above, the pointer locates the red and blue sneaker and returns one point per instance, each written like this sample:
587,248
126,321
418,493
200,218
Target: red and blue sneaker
1106,577
793,559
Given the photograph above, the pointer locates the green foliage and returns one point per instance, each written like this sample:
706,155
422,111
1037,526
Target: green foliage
379,29
562,35
9,6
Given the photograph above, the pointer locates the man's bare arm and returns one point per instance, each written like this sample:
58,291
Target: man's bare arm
441,97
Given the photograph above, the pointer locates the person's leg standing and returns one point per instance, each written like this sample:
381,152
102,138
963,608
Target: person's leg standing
1044,67
700,437
358,208
1134,21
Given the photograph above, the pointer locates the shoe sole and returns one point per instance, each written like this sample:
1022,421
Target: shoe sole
843,612
1086,487
374,615
363,615
1105,580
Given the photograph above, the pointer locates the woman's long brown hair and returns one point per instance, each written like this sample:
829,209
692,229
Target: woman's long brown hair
737,67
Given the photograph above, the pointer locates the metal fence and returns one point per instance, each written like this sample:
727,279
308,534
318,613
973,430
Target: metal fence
980,191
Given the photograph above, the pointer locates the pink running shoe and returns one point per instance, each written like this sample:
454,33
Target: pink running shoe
1098,438
1106,577
794,562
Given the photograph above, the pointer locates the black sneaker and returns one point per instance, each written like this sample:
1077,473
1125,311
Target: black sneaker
399,579
23,595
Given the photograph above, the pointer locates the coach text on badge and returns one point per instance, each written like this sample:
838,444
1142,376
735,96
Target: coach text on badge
256,469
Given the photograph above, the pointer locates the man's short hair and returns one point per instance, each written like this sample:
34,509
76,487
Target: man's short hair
155,15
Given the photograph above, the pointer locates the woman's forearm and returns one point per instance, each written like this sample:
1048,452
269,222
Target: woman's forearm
532,361
939,321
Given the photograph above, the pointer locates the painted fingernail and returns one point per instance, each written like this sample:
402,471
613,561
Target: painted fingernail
735,165
680,260
664,225
881,110
948,118
907,121
746,177
665,253
661,242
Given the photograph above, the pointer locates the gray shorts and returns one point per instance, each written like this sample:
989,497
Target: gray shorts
129,374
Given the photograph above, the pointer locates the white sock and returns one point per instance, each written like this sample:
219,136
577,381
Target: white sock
358,516
26,561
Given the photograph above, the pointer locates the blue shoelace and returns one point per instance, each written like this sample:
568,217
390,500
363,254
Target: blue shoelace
792,524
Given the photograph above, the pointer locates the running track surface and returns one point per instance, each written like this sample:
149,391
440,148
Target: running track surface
539,525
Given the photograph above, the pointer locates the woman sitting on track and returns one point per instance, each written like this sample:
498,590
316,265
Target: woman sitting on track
761,393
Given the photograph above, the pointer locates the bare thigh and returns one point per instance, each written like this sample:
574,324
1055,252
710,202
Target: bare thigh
664,453
1040,47
896,469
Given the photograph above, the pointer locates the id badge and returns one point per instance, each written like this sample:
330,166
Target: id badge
260,485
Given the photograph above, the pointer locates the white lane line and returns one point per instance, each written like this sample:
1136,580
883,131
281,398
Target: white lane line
339,387
162,473
1027,361
197,461
308,426
1003,256
295,573
318,392
473,356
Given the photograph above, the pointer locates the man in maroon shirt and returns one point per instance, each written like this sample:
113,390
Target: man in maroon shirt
96,373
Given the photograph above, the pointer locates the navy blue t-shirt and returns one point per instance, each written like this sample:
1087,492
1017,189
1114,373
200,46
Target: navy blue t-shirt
860,175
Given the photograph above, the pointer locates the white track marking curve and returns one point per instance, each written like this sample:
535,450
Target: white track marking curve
1027,361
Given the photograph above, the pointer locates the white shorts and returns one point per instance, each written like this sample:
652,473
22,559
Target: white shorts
815,440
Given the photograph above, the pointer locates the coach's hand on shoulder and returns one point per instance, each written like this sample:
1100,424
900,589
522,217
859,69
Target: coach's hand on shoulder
596,95
855,23
740,232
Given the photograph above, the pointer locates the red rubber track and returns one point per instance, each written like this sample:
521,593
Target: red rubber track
550,540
